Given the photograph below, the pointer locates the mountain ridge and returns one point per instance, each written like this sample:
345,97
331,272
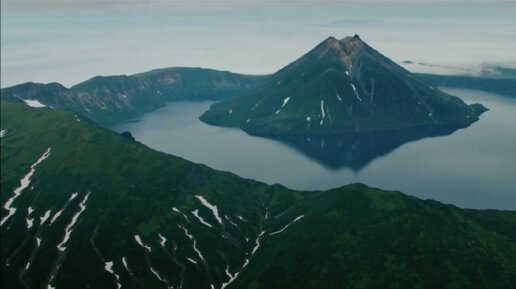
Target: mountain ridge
109,100
152,220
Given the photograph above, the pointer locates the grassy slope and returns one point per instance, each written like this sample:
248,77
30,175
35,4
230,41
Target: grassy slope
350,237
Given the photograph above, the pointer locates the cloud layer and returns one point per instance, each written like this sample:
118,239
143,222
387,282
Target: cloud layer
53,41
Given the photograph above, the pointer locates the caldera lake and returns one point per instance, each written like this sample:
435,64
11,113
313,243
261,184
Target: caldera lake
473,167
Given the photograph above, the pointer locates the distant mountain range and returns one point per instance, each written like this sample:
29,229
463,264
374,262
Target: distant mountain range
504,86
487,77
84,207
108,100
341,86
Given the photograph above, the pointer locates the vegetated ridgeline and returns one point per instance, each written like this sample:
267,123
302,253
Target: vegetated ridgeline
94,209
108,100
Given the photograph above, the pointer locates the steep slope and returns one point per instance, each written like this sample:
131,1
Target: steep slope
111,99
341,86
83,207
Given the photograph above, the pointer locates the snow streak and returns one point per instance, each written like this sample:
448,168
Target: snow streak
58,213
196,214
30,221
285,101
45,217
24,183
178,211
231,222
70,228
284,228
322,112
139,241
33,103
213,208
191,260
233,277
355,90
163,240
194,242
108,266
156,274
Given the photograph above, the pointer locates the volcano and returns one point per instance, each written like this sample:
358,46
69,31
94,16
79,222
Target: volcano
341,86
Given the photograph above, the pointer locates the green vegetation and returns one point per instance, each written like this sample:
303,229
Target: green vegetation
341,86
349,237
108,100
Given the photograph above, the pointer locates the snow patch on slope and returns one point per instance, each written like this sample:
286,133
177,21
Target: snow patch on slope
30,222
162,241
285,101
193,241
178,211
139,241
231,222
196,214
156,274
284,228
33,103
108,266
45,217
246,262
356,93
191,260
323,115
69,228
213,208
24,183
56,215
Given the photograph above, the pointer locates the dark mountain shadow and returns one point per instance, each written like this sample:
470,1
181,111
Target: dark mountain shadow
357,150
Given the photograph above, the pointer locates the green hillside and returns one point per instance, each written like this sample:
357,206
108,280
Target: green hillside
102,210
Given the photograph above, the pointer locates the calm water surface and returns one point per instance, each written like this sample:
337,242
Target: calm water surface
474,167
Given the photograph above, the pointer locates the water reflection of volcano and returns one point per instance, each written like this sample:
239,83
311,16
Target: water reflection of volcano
357,150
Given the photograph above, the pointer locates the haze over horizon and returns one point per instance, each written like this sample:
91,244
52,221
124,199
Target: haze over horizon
351,147
126,37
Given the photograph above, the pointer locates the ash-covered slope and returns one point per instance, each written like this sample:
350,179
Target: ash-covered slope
341,86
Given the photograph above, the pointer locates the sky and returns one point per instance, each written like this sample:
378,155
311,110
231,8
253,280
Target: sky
70,41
